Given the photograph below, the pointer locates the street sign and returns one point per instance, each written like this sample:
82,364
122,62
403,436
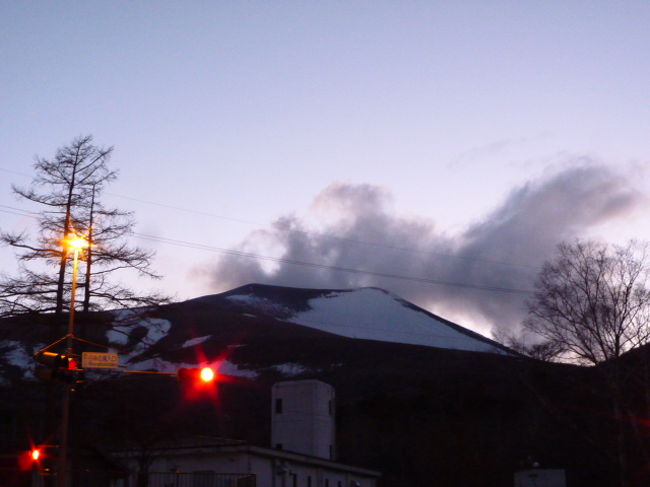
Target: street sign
96,360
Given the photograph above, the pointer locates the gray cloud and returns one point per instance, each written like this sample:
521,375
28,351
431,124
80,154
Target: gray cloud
502,250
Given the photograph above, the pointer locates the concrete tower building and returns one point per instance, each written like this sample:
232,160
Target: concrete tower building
303,418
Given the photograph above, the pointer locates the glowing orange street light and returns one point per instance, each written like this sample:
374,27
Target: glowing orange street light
35,454
75,242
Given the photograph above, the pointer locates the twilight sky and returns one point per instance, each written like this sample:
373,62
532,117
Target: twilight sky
451,142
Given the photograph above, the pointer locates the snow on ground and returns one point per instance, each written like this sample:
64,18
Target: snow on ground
290,369
229,368
16,354
195,341
158,329
374,314
264,305
125,320
222,367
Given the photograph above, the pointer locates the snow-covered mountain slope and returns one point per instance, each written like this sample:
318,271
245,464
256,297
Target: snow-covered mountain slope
249,328
366,313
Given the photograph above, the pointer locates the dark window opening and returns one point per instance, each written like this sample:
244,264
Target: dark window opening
278,405
308,480
278,446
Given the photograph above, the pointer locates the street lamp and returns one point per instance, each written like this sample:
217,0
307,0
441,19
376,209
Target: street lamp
75,243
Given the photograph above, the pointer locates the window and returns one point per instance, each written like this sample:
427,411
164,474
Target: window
327,482
294,480
308,480
278,446
329,407
278,405
331,453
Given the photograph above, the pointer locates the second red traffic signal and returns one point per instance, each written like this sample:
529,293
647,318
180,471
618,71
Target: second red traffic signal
196,376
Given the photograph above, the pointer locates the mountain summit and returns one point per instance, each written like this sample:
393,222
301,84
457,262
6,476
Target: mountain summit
365,313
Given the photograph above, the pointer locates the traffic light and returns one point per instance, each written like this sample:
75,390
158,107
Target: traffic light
35,454
31,459
197,376
55,366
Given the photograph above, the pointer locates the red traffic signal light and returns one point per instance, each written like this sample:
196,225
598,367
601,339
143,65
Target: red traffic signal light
207,374
31,458
204,375
55,366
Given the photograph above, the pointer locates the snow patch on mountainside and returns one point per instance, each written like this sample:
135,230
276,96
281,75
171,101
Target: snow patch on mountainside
290,369
126,321
264,305
195,341
16,353
375,314
222,367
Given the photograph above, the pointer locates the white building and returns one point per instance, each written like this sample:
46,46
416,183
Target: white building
303,437
303,418
539,477
205,462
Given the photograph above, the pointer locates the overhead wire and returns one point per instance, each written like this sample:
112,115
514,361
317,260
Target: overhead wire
251,255
320,235
315,265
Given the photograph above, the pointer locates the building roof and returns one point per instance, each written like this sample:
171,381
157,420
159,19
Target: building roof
222,446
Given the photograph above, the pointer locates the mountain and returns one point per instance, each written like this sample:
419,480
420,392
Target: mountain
221,321
419,398
368,313
168,337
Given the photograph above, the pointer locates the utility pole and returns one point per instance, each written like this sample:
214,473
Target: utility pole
75,243
198,377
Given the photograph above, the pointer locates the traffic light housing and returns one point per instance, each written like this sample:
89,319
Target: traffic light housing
196,376
32,459
55,366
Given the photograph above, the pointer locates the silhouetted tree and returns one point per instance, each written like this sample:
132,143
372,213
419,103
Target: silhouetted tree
69,187
591,305
592,301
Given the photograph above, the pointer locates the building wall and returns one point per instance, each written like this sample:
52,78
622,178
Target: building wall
540,478
270,472
190,462
303,418
276,472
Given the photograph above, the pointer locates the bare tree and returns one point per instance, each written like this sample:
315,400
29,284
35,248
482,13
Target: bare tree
591,305
592,301
520,342
69,187
108,230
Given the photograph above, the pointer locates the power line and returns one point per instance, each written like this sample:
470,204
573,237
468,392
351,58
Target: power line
28,214
320,235
314,265
251,255
329,236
